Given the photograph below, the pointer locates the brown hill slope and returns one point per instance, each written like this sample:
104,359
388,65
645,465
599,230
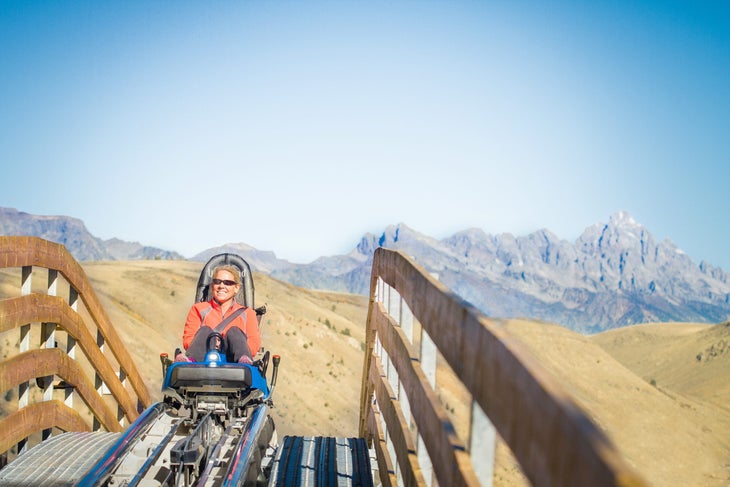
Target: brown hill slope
690,359
672,439
320,337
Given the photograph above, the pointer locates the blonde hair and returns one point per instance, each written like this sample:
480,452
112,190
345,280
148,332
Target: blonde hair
229,268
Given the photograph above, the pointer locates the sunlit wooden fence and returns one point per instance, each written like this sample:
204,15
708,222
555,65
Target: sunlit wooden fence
58,350
415,327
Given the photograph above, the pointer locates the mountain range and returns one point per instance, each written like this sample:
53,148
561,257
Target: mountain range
72,233
615,274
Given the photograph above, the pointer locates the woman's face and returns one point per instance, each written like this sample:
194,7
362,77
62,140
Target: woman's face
223,292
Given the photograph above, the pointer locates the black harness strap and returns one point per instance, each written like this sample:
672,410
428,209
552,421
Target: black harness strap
231,317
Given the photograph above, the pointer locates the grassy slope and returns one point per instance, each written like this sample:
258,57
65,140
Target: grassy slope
672,438
148,301
691,359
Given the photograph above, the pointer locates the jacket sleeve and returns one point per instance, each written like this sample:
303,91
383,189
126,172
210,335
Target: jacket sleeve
192,325
252,331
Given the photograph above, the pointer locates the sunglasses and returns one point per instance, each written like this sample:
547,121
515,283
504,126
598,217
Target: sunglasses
227,282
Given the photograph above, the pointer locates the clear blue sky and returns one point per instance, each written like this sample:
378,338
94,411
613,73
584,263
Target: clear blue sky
298,126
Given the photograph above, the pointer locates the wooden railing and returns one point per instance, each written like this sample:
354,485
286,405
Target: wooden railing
415,324
41,334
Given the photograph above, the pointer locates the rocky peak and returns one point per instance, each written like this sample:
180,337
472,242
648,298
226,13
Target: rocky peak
72,233
621,232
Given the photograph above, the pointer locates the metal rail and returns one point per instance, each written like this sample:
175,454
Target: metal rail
122,446
244,454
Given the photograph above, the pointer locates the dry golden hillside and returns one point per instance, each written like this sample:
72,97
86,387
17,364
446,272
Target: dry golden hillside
319,336
671,438
690,359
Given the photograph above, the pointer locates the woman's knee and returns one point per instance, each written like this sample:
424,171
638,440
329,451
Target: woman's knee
237,344
235,333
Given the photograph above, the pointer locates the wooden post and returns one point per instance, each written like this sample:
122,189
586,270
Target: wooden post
48,340
98,382
482,447
120,410
73,302
24,342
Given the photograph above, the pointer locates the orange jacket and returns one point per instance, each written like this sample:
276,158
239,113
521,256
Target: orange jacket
208,313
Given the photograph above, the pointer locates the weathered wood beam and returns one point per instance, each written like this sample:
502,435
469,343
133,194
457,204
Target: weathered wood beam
55,362
36,417
34,251
15,312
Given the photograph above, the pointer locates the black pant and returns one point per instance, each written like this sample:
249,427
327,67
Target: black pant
235,344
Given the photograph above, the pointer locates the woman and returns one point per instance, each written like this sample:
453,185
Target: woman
241,337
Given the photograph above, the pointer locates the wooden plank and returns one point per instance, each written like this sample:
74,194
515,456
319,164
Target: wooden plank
398,430
553,440
15,312
447,452
26,421
34,251
55,362
366,391
386,471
